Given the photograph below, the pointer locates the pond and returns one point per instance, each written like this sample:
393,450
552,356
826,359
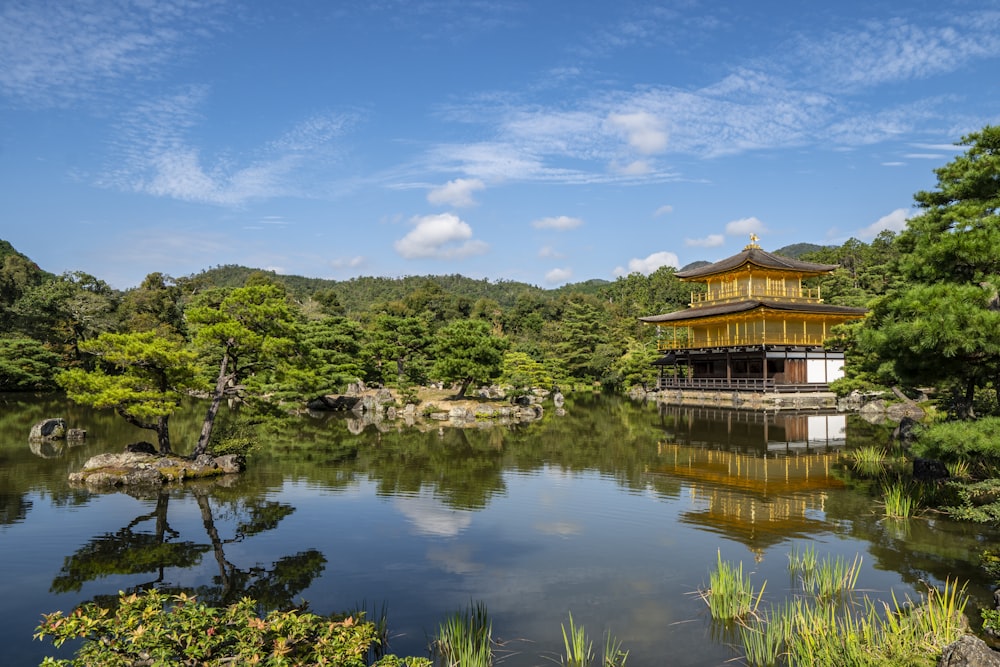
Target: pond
612,510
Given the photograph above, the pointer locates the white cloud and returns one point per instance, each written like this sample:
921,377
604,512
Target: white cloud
549,251
636,168
562,222
710,241
443,236
649,264
556,276
745,226
663,210
895,221
644,132
457,193
347,262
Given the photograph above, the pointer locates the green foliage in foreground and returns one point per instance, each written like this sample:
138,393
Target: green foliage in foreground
156,629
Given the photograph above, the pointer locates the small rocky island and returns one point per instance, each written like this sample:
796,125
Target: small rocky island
142,469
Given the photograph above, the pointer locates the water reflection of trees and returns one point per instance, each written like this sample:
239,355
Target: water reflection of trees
149,545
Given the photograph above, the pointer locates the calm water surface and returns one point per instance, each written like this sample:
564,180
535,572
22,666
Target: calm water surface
613,511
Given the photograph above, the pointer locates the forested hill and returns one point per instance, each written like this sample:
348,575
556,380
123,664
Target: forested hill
357,294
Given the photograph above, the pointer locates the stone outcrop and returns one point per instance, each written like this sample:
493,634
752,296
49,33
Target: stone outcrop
969,651
141,469
48,429
379,407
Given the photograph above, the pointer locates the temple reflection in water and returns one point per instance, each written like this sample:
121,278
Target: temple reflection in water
758,478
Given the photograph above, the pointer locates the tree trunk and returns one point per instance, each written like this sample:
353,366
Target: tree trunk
163,434
968,410
213,409
465,385
160,427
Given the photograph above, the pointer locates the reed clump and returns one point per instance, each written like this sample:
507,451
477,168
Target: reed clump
465,639
869,461
900,500
830,626
730,595
579,648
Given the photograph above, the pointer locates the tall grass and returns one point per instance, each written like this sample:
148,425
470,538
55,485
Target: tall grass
465,639
802,565
579,649
869,460
960,469
764,638
825,578
836,576
731,595
899,501
833,632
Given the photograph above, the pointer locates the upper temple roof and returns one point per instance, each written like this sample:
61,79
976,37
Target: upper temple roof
753,254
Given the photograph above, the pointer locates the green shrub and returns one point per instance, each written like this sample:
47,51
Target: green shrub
961,440
979,501
152,628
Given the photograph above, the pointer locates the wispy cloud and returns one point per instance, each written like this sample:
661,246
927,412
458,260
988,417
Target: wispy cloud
710,241
814,90
899,50
443,236
348,262
561,223
57,54
156,152
549,252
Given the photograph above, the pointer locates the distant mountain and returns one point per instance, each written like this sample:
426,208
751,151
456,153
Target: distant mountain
796,250
694,265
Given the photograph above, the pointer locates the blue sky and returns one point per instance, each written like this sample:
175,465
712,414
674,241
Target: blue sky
547,141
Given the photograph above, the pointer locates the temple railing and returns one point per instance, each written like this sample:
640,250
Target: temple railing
745,292
665,344
668,382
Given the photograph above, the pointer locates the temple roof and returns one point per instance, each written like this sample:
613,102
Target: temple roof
752,304
753,254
